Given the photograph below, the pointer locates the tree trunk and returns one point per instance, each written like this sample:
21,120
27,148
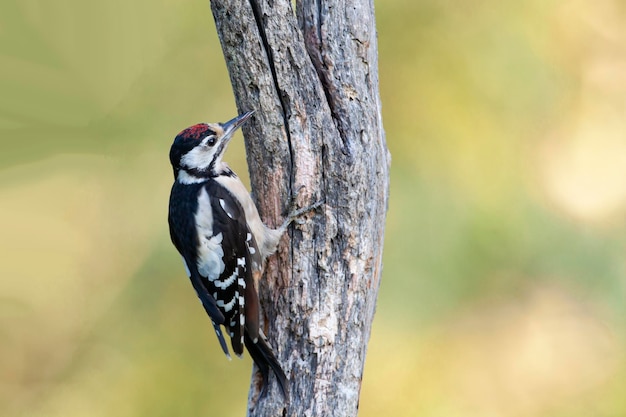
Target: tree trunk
313,82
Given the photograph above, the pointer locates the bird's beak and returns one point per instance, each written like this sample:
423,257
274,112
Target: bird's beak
232,125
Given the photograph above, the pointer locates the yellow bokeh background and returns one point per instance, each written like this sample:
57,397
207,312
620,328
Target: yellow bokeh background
504,283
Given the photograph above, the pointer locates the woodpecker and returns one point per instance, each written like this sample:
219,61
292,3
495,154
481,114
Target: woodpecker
216,228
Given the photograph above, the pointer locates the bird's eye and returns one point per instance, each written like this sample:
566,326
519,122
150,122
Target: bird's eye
210,140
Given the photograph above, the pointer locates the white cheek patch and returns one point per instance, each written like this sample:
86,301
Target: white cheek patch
199,157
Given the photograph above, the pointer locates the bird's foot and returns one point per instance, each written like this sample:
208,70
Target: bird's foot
295,213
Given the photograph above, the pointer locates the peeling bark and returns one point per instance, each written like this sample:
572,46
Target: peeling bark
313,81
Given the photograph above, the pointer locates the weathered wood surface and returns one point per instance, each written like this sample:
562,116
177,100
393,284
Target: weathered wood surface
313,81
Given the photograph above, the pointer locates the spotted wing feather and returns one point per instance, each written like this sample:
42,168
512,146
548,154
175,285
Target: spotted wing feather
234,285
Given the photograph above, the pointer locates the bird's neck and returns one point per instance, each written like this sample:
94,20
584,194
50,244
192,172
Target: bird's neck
196,176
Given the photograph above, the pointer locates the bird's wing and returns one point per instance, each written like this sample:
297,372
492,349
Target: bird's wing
184,234
233,288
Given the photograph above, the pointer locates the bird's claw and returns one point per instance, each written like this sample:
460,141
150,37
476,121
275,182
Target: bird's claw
295,213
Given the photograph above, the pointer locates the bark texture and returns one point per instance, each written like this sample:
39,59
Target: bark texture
312,78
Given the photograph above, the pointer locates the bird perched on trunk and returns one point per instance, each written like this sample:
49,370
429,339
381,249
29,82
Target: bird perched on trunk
217,229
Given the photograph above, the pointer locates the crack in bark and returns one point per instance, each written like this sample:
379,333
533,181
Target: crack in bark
256,11
313,46
319,23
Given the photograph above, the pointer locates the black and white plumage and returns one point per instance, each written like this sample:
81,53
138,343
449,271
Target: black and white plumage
216,227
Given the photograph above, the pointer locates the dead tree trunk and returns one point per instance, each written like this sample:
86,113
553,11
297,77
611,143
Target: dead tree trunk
313,81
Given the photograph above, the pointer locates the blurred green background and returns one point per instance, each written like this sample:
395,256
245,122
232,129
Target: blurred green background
504,282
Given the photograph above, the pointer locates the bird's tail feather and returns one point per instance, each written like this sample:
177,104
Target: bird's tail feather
220,337
265,360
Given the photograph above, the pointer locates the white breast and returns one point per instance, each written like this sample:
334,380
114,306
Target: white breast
210,252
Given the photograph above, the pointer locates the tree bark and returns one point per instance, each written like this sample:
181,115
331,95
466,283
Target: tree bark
317,133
